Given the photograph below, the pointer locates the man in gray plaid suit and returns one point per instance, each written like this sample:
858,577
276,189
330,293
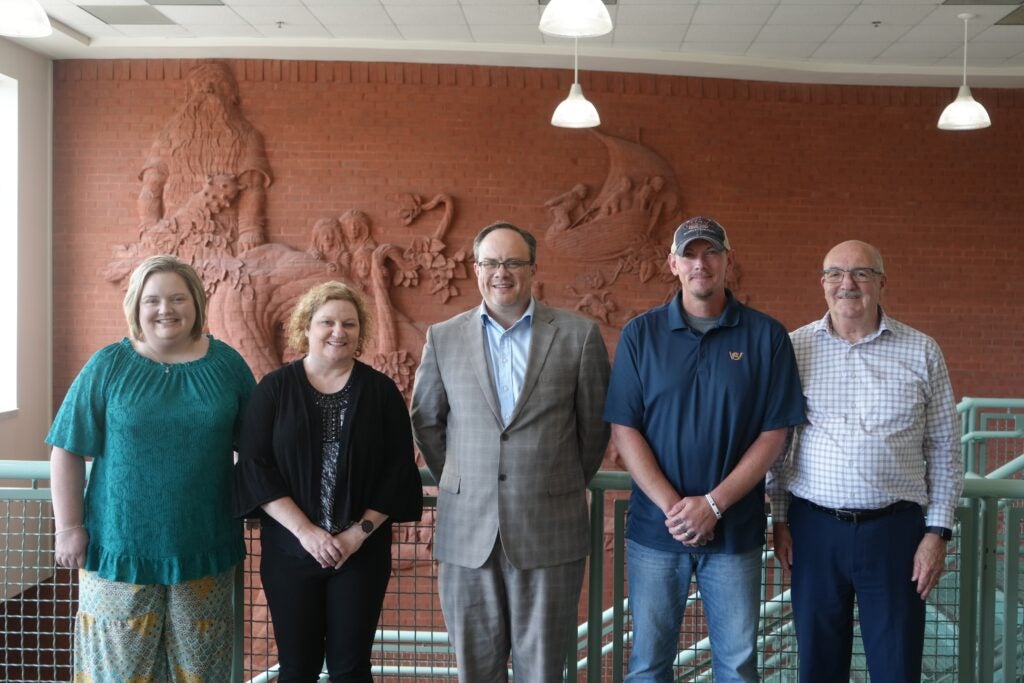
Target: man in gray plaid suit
507,413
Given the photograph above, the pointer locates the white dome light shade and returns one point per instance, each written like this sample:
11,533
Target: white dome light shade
964,113
575,111
24,19
576,19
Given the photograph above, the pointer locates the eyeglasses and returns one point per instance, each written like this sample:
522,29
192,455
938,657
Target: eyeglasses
834,275
512,265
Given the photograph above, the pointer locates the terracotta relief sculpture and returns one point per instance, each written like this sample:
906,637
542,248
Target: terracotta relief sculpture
625,226
208,135
203,196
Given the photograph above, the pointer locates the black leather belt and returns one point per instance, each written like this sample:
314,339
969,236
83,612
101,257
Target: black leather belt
855,516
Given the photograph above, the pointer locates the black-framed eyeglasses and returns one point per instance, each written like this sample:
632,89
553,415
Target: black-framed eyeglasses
834,275
512,265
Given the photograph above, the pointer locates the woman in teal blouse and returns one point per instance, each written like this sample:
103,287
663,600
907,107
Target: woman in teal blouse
153,535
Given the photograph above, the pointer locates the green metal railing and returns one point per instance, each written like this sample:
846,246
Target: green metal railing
975,617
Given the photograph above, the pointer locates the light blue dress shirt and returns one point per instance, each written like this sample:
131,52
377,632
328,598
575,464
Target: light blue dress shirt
507,353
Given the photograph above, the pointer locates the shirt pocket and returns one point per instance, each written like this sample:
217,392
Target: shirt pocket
890,406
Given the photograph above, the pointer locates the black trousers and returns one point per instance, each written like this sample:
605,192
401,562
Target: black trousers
318,611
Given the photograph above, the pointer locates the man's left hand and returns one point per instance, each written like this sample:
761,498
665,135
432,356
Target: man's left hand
929,564
691,521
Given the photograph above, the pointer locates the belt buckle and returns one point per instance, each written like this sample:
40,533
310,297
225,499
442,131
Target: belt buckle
847,516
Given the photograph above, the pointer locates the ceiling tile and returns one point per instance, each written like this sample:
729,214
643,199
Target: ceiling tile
223,31
510,15
803,15
886,33
731,14
723,33
427,15
889,14
298,16
650,15
797,34
1000,34
117,15
202,15
356,15
659,33
287,30
154,31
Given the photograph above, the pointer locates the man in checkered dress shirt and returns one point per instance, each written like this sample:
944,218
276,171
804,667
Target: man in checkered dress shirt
863,503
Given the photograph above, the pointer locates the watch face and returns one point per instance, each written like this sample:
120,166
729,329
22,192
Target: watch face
367,526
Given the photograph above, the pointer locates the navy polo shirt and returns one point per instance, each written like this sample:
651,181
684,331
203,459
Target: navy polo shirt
701,401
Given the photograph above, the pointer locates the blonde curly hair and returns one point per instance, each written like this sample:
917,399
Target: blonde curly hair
311,302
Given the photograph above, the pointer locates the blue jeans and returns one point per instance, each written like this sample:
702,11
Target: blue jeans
659,582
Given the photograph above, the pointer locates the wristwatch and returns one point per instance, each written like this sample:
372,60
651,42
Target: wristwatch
940,531
367,526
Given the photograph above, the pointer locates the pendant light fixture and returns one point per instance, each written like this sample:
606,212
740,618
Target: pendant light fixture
575,111
24,19
964,113
576,19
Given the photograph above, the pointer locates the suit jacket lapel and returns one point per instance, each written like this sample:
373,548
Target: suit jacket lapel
542,334
474,335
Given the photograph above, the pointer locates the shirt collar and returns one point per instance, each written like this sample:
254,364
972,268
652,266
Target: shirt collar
824,326
486,318
730,314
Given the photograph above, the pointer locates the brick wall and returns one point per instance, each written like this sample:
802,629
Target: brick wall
789,169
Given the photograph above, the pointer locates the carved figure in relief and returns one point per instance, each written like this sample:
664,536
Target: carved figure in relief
619,199
209,134
567,208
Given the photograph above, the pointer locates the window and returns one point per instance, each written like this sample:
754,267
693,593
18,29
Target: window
8,244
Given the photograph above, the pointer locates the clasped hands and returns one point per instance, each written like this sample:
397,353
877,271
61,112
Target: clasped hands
691,521
331,551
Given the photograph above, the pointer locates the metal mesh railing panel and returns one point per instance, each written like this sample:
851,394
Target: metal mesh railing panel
39,605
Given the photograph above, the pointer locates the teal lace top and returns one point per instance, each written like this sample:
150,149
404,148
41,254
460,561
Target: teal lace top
158,503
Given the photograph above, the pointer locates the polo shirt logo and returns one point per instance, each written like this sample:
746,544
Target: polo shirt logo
736,355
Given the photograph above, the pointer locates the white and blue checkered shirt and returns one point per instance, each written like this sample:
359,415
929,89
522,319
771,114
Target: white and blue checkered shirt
881,424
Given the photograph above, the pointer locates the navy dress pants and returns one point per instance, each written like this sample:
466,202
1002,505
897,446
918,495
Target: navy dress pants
834,561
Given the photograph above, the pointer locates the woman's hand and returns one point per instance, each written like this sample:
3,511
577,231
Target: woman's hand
69,548
324,548
350,540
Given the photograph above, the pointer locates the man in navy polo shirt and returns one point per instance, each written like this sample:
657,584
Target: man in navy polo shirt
704,393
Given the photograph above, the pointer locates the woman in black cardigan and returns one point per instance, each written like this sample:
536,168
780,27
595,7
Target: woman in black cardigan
326,460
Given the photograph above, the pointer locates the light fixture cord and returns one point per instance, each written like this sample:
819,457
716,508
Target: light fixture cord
576,60
965,51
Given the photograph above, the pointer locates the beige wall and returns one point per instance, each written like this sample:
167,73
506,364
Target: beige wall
21,433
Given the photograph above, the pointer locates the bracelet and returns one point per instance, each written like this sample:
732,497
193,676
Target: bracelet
70,528
714,506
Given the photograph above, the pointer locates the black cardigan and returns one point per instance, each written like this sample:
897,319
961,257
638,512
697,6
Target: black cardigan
276,457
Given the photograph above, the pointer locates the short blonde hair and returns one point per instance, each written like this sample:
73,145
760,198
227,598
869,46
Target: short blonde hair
302,315
163,263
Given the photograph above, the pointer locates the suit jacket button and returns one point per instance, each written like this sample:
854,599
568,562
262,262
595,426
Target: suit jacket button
502,477
504,437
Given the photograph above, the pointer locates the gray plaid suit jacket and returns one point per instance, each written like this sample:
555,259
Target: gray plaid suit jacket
526,480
